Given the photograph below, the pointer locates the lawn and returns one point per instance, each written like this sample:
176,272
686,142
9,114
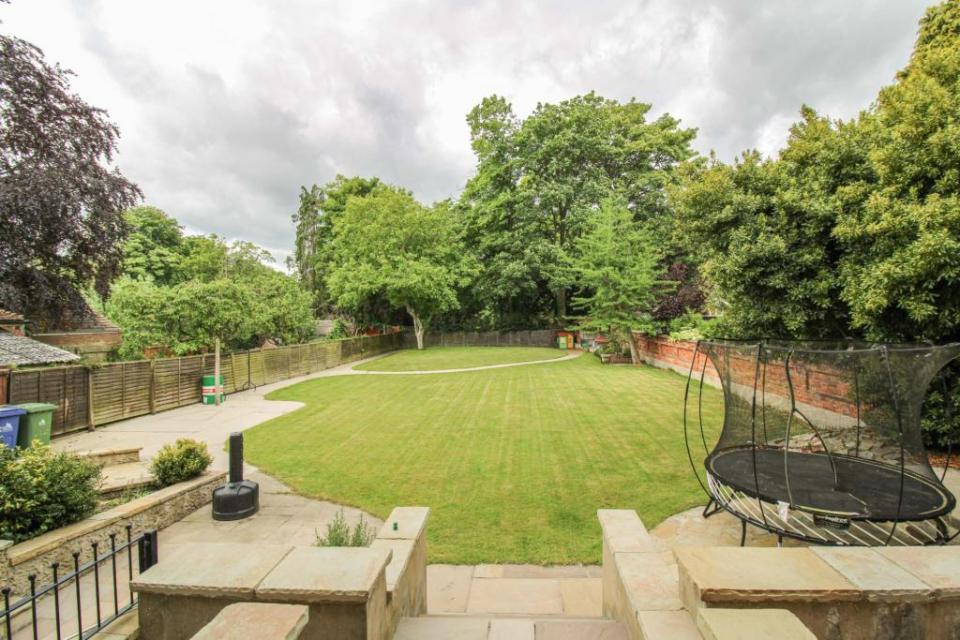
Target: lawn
437,358
514,461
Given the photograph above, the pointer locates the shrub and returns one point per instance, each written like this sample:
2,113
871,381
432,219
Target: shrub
180,461
340,535
41,490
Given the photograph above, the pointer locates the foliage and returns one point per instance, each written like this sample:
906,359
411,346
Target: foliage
691,326
854,229
339,533
683,295
518,458
61,226
315,221
440,358
182,460
180,293
618,266
41,490
537,183
387,244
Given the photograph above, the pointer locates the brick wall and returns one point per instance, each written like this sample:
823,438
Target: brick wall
817,388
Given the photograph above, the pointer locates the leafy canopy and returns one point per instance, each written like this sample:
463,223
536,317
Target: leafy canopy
61,199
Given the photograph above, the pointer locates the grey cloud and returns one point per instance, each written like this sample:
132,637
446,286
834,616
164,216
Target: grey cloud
224,140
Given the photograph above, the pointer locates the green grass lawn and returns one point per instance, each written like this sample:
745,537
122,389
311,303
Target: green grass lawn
514,462
436,358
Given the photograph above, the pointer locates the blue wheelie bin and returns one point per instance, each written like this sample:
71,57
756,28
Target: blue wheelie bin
10,425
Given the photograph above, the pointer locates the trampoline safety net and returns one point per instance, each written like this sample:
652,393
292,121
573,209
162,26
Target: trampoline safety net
822,442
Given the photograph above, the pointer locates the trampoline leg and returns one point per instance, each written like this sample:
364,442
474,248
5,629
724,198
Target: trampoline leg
743,532
707,511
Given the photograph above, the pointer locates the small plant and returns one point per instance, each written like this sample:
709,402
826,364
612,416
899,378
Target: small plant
339,533
180,461
41,490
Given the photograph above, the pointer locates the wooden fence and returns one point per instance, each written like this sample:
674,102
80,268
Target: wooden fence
535,338
91,397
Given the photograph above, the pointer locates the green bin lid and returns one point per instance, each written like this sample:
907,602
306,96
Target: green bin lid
37,407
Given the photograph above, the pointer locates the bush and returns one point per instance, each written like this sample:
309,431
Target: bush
41,490
340,535
180,461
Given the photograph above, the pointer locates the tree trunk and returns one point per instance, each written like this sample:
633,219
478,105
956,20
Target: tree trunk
417,327
634,356
561,295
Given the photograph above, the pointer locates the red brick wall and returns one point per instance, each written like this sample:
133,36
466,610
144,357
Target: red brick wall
813,386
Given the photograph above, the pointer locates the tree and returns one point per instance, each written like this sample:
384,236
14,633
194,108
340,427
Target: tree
61,227
618,265
154,248
387,244
315,221
538,180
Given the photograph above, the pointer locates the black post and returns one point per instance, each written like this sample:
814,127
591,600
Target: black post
148,550
236,457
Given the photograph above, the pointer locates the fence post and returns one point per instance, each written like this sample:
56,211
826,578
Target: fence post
148,550
91,419
153,386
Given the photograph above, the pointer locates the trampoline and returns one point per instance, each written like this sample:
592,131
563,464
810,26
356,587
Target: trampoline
821,442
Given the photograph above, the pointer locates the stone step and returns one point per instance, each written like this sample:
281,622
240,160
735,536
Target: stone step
459,627
128,476
108,457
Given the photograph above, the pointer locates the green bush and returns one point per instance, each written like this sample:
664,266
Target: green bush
180,461
340,535
41,490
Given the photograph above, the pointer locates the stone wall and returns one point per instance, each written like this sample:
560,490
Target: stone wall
154,511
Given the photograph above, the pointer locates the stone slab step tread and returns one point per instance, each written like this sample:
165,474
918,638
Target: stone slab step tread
128,476
453,627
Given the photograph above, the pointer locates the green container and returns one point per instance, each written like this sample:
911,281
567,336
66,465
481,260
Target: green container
561,342
36,423
210,392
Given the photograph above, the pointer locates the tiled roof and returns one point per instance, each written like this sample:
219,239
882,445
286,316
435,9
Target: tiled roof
89,320
9,317
21,350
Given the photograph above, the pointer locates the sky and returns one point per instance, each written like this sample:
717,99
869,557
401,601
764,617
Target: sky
227,107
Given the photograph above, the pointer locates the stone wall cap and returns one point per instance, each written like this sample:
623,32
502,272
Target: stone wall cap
737,574
938,567
310,575
730,624
402,551
650,580
405,523
623,531
210,569
877,576
271,622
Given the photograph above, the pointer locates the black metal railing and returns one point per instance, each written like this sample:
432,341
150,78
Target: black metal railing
44,603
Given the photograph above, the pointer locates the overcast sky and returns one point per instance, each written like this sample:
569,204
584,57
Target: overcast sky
226,107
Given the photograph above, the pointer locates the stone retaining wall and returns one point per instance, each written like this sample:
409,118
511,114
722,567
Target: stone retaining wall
154,511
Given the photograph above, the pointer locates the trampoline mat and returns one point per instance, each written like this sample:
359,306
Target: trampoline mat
867,490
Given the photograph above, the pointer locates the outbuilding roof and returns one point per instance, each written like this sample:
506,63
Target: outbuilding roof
9,317
20,350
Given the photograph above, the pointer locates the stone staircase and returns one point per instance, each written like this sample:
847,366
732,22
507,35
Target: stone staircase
123,472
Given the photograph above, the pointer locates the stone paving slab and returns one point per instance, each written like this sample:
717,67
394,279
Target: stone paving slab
507,629
879,577
271,622
751,624
580,630
404,523
582,597
725,574
557,572
667,625
448,588
515,596
938,567
210,570
442,628
324,574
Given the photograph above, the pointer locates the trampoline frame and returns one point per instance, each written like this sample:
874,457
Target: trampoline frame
786,520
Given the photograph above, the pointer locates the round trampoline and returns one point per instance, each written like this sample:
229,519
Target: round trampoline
821,442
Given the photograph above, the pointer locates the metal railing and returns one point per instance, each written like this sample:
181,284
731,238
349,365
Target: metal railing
44,603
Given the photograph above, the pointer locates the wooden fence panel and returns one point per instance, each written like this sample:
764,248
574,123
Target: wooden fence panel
65,387
191,371
166,381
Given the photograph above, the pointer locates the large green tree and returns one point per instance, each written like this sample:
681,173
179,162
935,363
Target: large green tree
388,245
537,181
618,266
315,221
